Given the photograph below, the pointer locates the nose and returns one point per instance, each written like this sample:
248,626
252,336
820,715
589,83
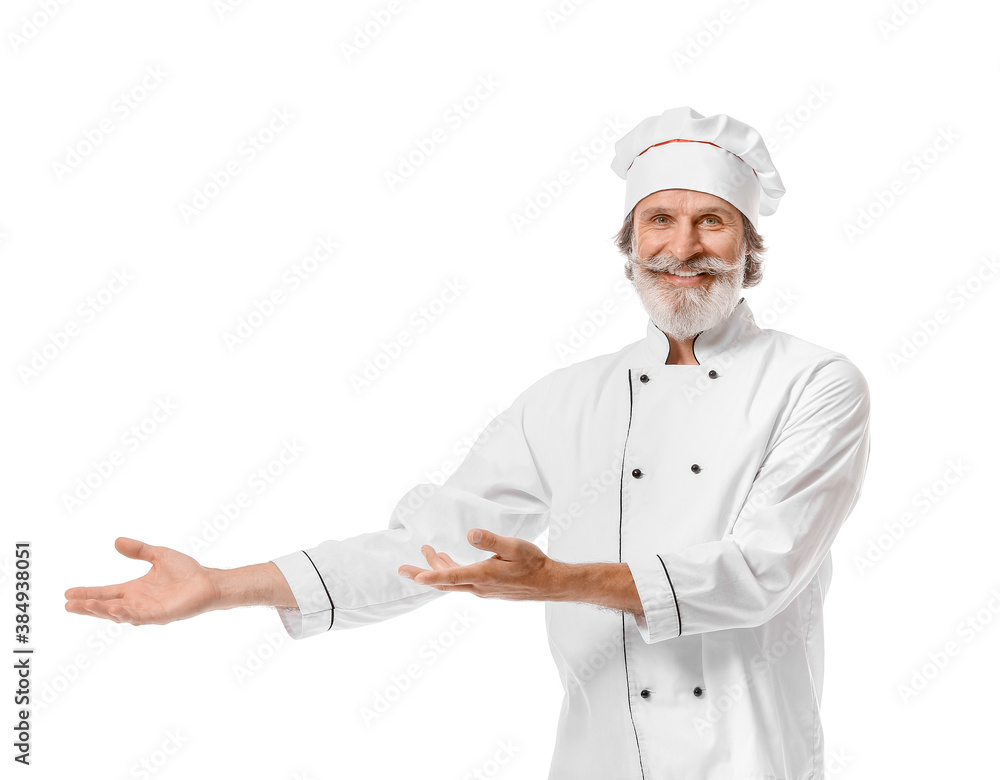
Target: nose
684,242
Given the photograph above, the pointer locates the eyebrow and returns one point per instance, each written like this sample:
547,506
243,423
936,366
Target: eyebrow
707,210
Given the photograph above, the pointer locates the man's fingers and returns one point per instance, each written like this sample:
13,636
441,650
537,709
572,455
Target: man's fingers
104,593
122,614
463,588
504,546
448,559
76,606
435,559
93,607
438,561
457,575
133,548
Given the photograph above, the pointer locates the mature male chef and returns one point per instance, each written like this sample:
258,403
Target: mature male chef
685,608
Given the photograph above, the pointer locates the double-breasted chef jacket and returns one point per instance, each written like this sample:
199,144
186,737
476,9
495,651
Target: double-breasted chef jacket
730,480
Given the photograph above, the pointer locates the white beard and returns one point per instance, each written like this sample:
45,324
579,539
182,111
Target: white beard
684,312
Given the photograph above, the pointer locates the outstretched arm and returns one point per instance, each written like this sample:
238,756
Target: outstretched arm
178,587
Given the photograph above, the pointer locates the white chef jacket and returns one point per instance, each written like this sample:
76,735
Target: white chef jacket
722,485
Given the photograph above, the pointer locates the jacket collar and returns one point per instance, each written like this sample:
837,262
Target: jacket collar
711,342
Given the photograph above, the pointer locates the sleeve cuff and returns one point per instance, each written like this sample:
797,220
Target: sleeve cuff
315,607
660,619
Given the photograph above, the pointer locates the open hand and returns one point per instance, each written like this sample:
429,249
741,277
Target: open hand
175,588
518,571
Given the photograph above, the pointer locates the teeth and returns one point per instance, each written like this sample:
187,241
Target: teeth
685,274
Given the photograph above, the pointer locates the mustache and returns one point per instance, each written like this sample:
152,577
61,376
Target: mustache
705,264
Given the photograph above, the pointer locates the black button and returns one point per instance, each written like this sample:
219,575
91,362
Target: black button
713,374
644,693
636,473
698,691
696,468
644,379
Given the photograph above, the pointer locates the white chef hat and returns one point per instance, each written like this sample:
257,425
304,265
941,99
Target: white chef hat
681,149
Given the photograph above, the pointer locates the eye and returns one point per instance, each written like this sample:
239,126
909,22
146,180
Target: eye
715,220
657,218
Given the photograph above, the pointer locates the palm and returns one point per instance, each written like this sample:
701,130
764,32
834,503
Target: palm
175,588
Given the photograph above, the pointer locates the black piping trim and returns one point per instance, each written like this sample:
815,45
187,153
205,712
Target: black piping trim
628,685
677,607
621,486
621,514
332,608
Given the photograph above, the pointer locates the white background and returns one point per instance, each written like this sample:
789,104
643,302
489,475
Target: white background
846,94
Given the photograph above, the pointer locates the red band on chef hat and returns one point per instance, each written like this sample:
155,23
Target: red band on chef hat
686,141
681,149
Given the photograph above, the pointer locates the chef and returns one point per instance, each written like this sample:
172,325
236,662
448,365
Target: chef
684,606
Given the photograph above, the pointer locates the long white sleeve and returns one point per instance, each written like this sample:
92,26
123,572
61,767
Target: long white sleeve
807,485
355,581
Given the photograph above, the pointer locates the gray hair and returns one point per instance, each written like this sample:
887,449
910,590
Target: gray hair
754,271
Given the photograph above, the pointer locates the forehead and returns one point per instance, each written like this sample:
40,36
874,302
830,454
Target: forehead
684,202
